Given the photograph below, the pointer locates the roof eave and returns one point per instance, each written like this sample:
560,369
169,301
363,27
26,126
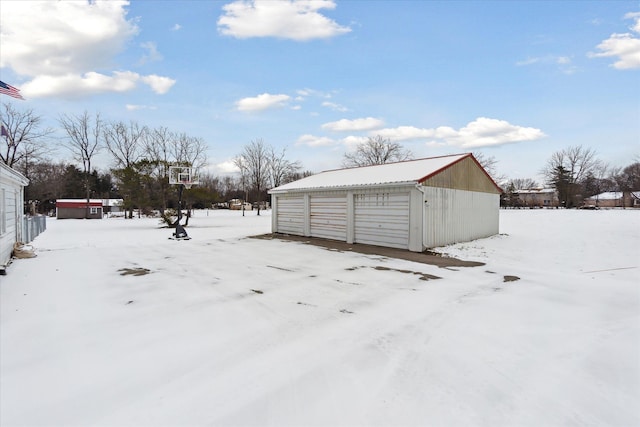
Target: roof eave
345,187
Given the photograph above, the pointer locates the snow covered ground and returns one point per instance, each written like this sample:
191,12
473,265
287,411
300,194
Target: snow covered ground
230,330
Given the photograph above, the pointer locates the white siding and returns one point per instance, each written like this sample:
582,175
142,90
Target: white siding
453,216
11,200
328,216
290,215
382,219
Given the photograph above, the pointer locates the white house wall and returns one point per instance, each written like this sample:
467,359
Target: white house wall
452,216
11,202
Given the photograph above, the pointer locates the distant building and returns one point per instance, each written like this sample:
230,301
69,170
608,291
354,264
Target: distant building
236,205
614,199
112,206
77,208
538,198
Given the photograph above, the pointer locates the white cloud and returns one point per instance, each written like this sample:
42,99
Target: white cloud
76,85
159,84
176,27
402,133
227,167
345,125
54,38
564,63
482,132
152,53
529,61
486,132
67,47
133,107
296,20
353,141
334,106
262,102
315,141
626,46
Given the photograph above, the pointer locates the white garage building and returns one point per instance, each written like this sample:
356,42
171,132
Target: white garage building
414,205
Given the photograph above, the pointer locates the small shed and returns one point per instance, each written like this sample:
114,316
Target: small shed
12,184
77,208
414,205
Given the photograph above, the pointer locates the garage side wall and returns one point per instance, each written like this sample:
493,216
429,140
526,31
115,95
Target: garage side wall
453,216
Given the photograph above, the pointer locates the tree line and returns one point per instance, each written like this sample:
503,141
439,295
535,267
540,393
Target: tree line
141,158
576,173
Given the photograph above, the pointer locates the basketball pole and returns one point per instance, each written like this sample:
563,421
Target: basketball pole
180,232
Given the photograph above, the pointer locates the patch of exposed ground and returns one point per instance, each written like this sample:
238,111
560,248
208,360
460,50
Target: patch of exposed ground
423,276
426,257
134,271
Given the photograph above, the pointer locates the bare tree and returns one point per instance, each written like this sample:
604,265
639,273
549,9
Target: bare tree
189,151
242,164
523,183
25,138
489,164
158,145
84,133
567,169
125,143
255,163
578,161
376,151
281,170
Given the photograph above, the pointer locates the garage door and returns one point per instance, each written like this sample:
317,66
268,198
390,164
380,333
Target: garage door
382,219
290,215
328,216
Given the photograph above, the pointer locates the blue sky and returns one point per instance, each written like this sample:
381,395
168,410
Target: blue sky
513,80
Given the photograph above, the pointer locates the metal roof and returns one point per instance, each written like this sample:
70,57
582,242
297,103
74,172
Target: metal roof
400,173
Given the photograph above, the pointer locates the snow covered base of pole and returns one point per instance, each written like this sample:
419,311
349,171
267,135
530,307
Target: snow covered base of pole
180,233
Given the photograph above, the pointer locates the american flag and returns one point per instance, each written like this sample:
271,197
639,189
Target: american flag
6,89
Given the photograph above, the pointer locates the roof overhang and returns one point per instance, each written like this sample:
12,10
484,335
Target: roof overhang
345,188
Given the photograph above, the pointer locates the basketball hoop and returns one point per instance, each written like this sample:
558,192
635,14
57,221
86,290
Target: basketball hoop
185,177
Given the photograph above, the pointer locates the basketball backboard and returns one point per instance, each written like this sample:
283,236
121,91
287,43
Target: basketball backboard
185,175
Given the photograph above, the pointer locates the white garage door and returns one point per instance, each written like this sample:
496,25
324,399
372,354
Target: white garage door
290,215
382,219
328,216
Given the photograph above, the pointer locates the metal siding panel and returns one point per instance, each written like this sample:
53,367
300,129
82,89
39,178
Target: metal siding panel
8,238
290,215
382,219
328,216
453,216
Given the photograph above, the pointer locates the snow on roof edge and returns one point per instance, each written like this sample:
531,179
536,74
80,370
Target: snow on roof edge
397,173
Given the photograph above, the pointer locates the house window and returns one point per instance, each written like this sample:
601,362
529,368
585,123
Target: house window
94,210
